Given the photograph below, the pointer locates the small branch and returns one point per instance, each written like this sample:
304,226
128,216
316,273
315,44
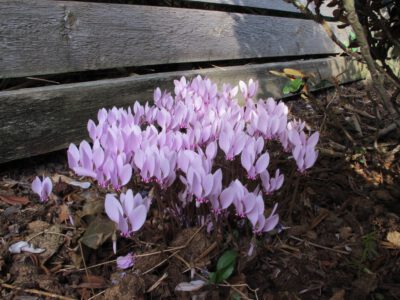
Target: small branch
35,292
317,245
352,17
305,10
84,264
387,130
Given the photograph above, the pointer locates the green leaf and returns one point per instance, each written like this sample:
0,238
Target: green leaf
212,277
286,89
293,86
227,259
352,36
296,84
224,274
236,296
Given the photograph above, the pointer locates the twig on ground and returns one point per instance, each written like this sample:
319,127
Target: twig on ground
157,283
317,245
359,111
46,232
98,294
330,152
160,263
84,264
176,249
207,251
35,292
387,130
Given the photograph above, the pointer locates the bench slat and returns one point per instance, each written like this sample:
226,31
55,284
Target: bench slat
276,5
40,37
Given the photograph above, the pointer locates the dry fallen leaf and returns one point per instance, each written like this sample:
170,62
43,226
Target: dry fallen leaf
293,72
192,286
394,238
14,200
68,180
93,282
23,246
63,214
338,295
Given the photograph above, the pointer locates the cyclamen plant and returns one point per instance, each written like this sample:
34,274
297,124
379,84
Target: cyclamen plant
42,188
179,138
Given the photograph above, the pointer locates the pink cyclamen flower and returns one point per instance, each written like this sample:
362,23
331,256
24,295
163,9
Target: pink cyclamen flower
272,221
304,149
269,183
129,213
125,262
42,188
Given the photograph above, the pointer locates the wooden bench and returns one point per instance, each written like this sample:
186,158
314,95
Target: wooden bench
43,38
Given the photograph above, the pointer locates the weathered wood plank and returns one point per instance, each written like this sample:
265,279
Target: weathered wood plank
275,5
39,120
46,37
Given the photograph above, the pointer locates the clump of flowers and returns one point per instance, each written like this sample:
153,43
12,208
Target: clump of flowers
183,140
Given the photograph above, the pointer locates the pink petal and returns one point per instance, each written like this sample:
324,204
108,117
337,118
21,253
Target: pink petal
270,223
125,174
265,179
247,159
139,158
211,150
127,201
137,217
253,216
123,225
310,159
85,172
164,166
91,128
274,125
297,152
217,185
98,157
243,88
113,208
313,139
208,182
196,185
262,163
138,200
227,196
225,141
259,145
85,155
239,143
47,187
279,181
37,186
294,137
73,156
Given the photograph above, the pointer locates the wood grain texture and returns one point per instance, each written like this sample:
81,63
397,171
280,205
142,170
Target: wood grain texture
275,5
40,120
40,37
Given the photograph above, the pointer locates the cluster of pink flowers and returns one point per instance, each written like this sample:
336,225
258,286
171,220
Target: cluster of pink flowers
180,137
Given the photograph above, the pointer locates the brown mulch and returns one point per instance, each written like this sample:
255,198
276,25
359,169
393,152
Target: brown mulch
335,246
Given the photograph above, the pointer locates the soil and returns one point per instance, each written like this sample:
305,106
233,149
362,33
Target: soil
336,219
